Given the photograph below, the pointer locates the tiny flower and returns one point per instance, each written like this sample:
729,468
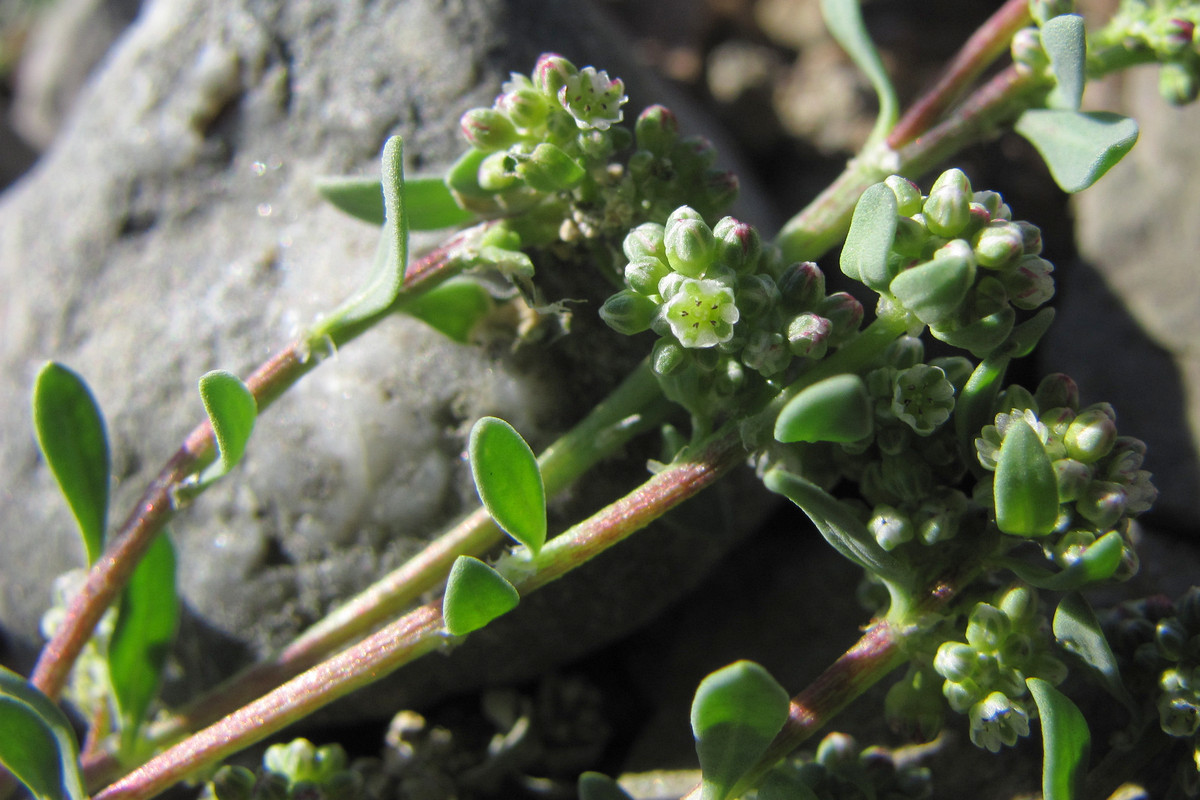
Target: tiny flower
890,527
997,721
922,398
987,628
701,313
592,99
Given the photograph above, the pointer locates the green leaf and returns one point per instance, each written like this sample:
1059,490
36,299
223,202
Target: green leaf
1078,147
1066,742
475,595
431,206
933,291
232,411
785,784
869,240
37,744
70,432
1078,630
391,260
837,409
736,713
1024,488
845,23
837,524
454,308
509,481
1025,337
1066,43
596,786
1099,562
147,617
976,403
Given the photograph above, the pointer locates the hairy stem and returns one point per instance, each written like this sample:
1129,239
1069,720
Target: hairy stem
125,548
421,630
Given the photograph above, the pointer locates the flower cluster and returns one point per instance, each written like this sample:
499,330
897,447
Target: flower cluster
290,771
841,767
1006,643
727,314
1100,482
960,264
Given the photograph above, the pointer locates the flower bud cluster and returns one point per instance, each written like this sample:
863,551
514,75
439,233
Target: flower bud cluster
985,675
293,771
841,767
1166,29
961,265
1158,643
727,316
1101,483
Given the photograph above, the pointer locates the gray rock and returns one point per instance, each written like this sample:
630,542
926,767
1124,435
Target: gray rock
173,229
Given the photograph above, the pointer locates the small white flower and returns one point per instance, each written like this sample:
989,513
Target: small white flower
592,99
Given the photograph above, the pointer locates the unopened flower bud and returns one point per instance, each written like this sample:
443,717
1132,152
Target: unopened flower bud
908,195
1073,477
628,312
1057,390
1019,604
1172,37
987,628
1027,50
688,242
947,210
488,129
890,527
844,312
911,238
1178,715
939,518
837,750
999,244
956,661
694,154
656,130
550,169
912,707
738,244
643,275
525,106
808,335
233,783
645,241
551,72
922,398
1091,435
1102,503
961,695
669,357
496,172
1170,637
756,295
1030,284
802,285
904,352
767,353
720,189
1178,82
1188,609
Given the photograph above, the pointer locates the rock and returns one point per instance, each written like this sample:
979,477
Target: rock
173,229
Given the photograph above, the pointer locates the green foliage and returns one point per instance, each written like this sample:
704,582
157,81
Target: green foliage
1078,147
509,481
872,231
1066,742
71,435
37,746
454,309
475,595
736,713
837,409
844,20
430,204
1066,45
1025,489
147,618
232,411
1079,632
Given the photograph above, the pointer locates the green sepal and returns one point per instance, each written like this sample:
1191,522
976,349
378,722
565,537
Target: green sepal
1066,742
869,240
837,409
147,618
71,435
1099,562
628,312
1025,489
391,260
550,169
736,713
1065,41
838,524
475,595
844,20
933,291
454,308
597,786
976,403
37,744
431,205
509,481
231,410
1078,630
1078,147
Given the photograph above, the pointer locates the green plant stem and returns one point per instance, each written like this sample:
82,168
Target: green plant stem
421,630
632,408
988,43
125,548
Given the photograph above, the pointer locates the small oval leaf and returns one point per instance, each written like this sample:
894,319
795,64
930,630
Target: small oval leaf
1099,562
509,481
1078,630
1025,489
977,401
147,616
1066,43
736,713
232,411
1066,742
37,746
933,291
869,240
454,308
475,595
70,432
837,409
1078,147
431,206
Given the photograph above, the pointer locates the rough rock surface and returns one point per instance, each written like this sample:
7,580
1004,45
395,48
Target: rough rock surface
173,229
